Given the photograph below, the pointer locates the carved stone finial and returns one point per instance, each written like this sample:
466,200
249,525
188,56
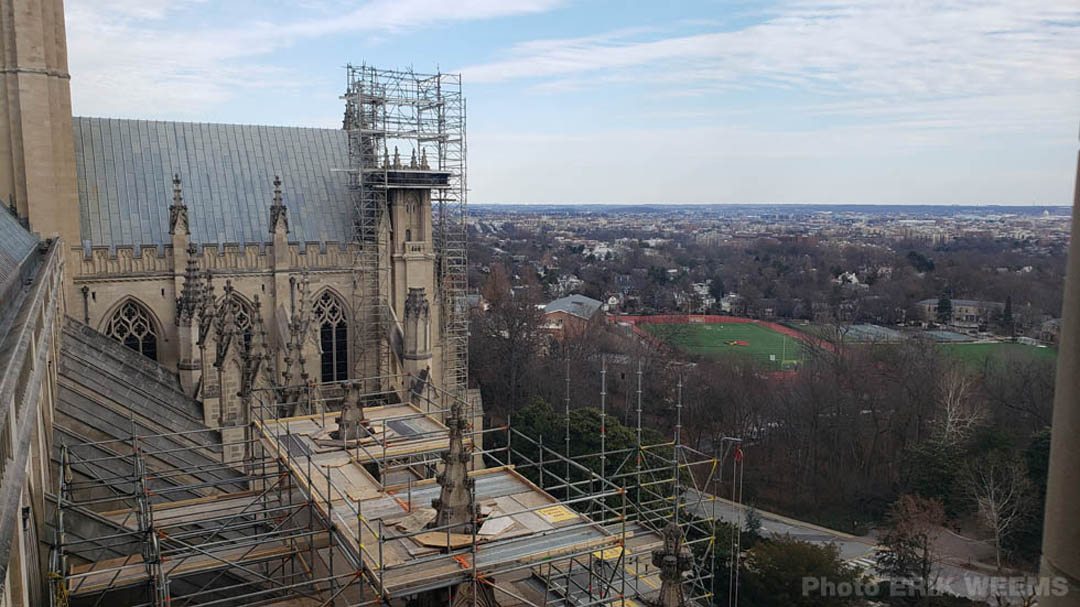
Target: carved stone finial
423,160
351,422
672,559
191,295
279,220
178,216
397,158
412,162
456,504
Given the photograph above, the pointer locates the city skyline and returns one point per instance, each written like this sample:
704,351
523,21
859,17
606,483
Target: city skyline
733,102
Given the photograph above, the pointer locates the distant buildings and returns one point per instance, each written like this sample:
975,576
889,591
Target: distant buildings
967,313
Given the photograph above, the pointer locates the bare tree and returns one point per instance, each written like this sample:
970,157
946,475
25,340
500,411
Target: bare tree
915,524
1001,492
506,341
958,413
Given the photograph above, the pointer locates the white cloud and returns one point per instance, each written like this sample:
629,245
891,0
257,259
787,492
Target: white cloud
159,57
865,53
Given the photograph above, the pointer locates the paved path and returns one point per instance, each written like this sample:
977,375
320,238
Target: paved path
856,550
851,547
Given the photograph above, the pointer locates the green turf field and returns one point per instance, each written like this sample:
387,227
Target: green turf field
712,340
976,354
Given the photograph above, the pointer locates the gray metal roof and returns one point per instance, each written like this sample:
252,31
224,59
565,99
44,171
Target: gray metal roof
578,305
125,170
15,244
963,302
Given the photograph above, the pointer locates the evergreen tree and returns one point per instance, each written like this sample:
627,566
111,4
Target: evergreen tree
944,310
1007,315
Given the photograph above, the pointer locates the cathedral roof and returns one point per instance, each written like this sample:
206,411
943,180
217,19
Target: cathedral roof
125,170
16,243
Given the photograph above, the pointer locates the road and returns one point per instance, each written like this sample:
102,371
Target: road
851,547
855,550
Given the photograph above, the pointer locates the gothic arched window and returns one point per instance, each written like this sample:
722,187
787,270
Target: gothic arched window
333,336
242,314
132,326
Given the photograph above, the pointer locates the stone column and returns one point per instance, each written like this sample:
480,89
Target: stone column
37,150
416,351
1061,531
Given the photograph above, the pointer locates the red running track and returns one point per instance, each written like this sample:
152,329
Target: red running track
711,319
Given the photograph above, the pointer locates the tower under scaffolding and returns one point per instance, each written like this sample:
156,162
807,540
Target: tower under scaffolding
323,517
407,130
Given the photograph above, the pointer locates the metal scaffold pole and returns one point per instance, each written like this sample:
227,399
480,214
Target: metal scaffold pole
566,419
603,416
391,114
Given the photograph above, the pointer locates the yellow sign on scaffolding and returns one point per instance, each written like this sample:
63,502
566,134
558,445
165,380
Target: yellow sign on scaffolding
556,514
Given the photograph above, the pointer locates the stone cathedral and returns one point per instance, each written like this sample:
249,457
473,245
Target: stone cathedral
187,242
176,233
194,264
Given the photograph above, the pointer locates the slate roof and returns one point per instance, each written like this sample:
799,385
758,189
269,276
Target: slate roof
578,305
16,243
125,169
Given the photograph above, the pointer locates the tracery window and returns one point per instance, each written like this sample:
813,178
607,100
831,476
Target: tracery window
242,315
333,336
132,326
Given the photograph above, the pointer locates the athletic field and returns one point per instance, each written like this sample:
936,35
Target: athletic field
975,355
770,348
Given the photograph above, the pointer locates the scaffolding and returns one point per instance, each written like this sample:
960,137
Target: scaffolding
390,114
308,517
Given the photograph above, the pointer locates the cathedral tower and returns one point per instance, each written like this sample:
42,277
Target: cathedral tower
37,153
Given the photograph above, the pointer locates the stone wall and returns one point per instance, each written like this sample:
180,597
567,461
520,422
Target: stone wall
30,328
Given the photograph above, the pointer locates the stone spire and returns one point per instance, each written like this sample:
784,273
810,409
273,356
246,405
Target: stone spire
279,219
191,296
207,309
351,422
672,560
397,158
253,354
423,160
178,217
455,505
412,161
224,325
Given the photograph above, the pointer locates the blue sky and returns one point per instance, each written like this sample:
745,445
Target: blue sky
879,101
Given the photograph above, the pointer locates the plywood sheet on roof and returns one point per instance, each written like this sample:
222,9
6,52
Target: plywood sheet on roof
442,539
495,526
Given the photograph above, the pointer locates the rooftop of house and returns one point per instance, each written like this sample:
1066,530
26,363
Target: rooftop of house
577,305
